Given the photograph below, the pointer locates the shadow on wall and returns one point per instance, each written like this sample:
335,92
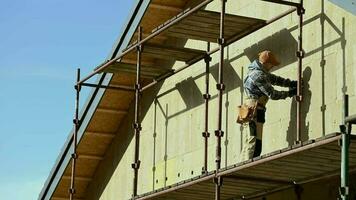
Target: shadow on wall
191,94
307,94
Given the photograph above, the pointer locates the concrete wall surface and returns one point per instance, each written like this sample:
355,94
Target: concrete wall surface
172,145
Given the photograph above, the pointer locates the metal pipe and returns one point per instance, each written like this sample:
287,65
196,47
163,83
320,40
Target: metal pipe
220,87
75,134
228,42
206,97
141,42
137,124
112,87
287,3
350,119
345,143
300,55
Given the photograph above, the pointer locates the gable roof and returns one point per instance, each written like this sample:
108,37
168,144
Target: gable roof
92,102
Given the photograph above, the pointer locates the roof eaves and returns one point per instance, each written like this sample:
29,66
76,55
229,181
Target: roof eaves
92,102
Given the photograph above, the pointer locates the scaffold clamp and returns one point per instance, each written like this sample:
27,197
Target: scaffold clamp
219,133
344,191
137,126
207,58
218,181
300,54
301,10
220,86
221,41
206,96
74,155
206,134
136,165
71,190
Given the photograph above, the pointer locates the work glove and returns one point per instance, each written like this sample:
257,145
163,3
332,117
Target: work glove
293,84
292,92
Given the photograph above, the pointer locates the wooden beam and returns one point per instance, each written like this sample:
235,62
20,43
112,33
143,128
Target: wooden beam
78,178
90,157
100,134
64,198
164,7
111,111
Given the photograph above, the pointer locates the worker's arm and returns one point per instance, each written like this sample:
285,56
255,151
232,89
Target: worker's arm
284,82
265,86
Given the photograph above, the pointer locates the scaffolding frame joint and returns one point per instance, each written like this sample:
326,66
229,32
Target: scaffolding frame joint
218,181
207,58
344,191
206,134
219,133
137,126
300,54
206,96
71,190
300,9
136,165
74,155
221,41
220,86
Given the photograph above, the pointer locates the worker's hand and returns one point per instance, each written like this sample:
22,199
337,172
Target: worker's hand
293,84
292,92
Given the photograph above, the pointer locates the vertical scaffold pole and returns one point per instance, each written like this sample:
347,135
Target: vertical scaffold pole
220,87
206,97
300,55
137,124
75,135
345,143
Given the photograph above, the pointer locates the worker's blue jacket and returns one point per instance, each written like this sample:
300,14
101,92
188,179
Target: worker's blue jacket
259,83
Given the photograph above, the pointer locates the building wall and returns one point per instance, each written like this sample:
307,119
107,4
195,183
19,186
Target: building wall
171,141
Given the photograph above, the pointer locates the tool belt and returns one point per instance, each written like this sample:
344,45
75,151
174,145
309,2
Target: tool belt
247,111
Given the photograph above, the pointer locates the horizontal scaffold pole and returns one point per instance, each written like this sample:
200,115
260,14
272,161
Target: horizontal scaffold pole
287,3
112,87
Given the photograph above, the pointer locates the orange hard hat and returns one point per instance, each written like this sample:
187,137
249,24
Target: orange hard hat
268,57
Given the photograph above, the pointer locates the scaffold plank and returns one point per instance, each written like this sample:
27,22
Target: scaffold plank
309,161
205,25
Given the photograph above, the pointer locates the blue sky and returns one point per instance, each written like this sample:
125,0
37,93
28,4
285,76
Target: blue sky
42,42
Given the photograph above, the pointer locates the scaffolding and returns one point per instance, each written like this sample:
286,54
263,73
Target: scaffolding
202,187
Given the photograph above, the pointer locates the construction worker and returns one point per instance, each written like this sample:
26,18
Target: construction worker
258,88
